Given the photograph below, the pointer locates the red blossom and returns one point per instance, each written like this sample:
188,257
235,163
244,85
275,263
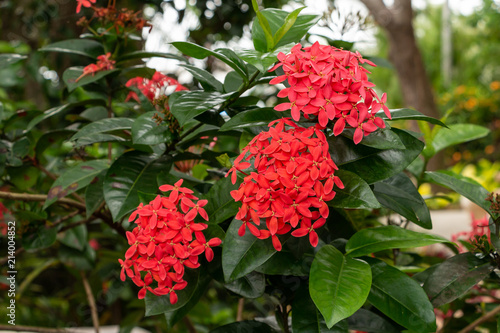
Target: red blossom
162,244
84,3
329,84
293,180
104,63
152,88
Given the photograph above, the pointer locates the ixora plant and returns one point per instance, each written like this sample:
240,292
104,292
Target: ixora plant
154,172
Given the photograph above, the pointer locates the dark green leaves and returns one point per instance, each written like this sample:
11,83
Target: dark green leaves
249,286
370,240
399,194
400,298
221,204
91,132
74,79
206,79
338,285
454,134
85,47
130,173
374,164
410,114
244,326
146,131
194,103
75,178
241,255
455,276
355,194
251,118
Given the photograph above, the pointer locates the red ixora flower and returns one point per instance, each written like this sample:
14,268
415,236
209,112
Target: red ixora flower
84,3
293,179
154,87
165,241
104,63
329,84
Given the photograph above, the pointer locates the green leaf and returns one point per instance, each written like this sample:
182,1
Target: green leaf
103,126
130,173
355,194
59,110
263,60
241,255
380,139
41,238
85,47
261,21
371,240
400,298
221,204
95,113
148,54
81,260
7,59
453,135
455,276
94,195
285,263
465,186
338,285
74,179
289,22
410,114
76,237
276,19
23,177
146,131
399,194
251,118
194,103
72,74
199,52
367,321
49,138
97,138
244,326
307,319
373,164
251,285
206,79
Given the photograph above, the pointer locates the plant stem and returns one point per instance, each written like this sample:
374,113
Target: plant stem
91,299
110,115
481,320
19,328
239,313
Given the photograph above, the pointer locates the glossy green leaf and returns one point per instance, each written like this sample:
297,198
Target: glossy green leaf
7,59
355,194
285,263
367,321
373,164
400,194
251,118
95,113
194,103
233,57
263,60
50,138
148,54
206,79
455,276
380,139
38,239
400,298
410,114
103,126
453,135
244,326
241,255
338,285
23,177
200,52
306,318
371,240
74,79
221,204
261,21
98,138
85,47
61,109
94,195
289,22
146,131
465,186
73,179
76,237
130,173
276,19
251,285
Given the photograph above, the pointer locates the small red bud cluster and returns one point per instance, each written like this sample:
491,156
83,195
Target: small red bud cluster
104,63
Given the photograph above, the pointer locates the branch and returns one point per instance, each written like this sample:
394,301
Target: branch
382,15
19,328
481,320
91,299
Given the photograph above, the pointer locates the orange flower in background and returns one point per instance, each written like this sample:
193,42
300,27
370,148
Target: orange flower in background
165,241
329,84
84,3
294,179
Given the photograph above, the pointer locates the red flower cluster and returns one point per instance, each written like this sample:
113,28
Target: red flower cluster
479,227
294,174
152,88
330,84
104,63
162,244
84,3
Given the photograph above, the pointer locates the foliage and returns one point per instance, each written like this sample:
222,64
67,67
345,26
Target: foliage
83,178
